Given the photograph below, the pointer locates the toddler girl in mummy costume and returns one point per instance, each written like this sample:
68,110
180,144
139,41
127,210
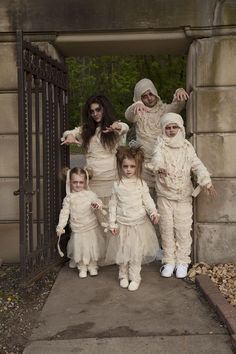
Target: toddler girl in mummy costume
173,161
135,240
86,244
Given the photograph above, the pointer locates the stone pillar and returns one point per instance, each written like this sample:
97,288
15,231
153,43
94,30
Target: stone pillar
211,117
9,158
9,165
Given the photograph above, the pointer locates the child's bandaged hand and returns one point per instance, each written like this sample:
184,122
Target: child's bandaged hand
162,172
59,231
155,217
95,206
210,190
114,231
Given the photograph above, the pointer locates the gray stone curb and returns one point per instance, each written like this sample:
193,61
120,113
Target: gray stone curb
225,311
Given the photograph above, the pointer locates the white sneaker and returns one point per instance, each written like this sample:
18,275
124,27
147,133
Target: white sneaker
83,273
167,270
181,270
133,286
93,271
72,264
124,283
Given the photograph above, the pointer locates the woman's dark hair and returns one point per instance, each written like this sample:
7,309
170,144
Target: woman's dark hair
108,140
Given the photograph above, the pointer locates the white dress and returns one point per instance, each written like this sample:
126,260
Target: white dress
128,208
86,243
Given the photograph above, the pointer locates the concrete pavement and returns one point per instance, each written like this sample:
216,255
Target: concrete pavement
95,315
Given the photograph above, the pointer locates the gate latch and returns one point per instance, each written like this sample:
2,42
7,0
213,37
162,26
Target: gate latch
17,192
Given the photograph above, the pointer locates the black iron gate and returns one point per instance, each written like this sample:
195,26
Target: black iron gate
42,100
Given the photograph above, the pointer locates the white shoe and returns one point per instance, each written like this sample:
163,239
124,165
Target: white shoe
93,271
181,270
83,273
124,283
133,286
167,270
72,264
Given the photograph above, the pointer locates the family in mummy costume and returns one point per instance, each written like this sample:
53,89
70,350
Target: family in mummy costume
120,181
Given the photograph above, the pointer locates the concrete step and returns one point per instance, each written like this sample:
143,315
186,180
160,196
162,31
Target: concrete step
190,344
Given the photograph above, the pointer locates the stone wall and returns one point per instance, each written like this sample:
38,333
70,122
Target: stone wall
89,15
212,118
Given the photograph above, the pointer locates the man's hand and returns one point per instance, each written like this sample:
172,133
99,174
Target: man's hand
181,95
140,109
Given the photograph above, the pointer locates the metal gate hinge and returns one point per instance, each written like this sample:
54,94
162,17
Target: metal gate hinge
17,192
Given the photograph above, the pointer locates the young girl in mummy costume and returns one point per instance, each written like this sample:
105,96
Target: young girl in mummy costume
86,244
135,238
173,161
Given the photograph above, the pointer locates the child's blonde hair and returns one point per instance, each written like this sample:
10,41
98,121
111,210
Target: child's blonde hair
132,153
86,172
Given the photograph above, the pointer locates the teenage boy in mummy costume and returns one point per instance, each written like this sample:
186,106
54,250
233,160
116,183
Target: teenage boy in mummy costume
173,162
146,112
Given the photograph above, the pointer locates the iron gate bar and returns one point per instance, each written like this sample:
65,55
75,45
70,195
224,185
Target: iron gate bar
29,169
46,78
21,112
38,154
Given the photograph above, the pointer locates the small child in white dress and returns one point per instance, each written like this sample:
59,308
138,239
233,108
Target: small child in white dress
174,160
135,237
86,244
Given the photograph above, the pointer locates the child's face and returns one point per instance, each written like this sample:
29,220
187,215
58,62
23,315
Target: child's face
171,130
96,112
77,182
128,167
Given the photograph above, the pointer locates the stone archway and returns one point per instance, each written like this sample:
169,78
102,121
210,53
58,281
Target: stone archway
206,29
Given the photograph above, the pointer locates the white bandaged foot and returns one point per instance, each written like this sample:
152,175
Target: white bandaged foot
133,286
83,273
124,283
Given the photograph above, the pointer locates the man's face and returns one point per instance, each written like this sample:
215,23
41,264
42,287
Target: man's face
149,99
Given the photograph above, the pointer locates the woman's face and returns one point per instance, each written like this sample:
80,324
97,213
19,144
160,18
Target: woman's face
96,112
